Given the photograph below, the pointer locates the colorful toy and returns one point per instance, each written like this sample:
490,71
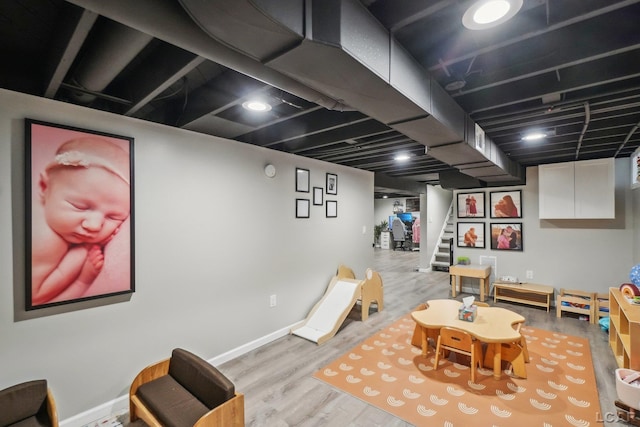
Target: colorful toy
630,290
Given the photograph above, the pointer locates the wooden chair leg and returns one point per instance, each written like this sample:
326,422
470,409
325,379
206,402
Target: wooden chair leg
437,358
525,350
514,354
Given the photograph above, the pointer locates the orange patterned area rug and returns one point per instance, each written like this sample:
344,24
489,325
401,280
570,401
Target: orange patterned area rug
388,372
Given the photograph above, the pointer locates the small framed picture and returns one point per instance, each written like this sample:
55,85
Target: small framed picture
471,205
471,235
506,236
332,183
302,180
302,208
506,204
317,196
332,208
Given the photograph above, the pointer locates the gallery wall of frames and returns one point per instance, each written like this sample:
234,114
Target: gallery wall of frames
502,208
315,195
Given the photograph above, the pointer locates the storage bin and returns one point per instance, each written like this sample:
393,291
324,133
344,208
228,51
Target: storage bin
629,394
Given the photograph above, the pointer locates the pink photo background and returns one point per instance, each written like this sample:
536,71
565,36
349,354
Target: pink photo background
116,274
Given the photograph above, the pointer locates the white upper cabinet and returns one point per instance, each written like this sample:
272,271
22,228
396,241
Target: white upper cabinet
582,190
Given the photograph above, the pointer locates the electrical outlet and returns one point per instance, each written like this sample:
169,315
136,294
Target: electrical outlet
273,301
529,274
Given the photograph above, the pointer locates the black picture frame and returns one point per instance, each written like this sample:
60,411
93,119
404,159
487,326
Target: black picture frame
465,240
332,184
318,193
471,205
505,204
332,209
513,234
302,208
302,180
96,250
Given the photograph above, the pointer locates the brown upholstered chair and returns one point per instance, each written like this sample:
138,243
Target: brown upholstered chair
461,342
185,391
28,404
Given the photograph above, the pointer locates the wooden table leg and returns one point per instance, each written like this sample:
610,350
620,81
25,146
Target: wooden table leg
453,286
497,360
425,341
481,289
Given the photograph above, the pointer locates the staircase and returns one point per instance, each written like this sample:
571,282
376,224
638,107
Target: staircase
443,253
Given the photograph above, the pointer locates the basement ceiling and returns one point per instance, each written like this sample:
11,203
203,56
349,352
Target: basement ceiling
349,82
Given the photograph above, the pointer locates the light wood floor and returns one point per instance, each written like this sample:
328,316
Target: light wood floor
277,378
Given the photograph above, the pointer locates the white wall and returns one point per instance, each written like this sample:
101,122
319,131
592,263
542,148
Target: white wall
438,203
214,238
592,255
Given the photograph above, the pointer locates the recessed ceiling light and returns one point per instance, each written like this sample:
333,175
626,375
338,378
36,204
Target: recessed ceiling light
255,105
490,13
534,136
401,157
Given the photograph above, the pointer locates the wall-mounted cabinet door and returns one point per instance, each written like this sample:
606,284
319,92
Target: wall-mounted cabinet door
595,189
556,190
577,190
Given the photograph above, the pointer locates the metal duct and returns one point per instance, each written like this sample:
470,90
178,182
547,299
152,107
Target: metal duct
325,51
167,21
115,48
338,48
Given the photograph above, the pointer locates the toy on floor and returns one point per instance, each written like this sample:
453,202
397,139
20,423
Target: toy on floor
343,292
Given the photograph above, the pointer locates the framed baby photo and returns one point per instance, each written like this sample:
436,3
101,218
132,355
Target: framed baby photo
506,204
506,236
471,235
79,214
471,205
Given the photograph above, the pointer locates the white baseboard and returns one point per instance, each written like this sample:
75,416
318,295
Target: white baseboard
95,416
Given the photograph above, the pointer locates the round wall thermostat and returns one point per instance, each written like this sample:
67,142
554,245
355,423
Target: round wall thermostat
270,171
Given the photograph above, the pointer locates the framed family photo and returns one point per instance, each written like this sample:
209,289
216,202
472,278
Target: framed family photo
471,235
79,214
506,236
471,205
506,204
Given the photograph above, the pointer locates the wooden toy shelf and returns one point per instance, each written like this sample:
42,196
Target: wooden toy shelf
624,330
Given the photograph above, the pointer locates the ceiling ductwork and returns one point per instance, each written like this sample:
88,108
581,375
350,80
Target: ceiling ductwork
117,46
330,52
339,49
